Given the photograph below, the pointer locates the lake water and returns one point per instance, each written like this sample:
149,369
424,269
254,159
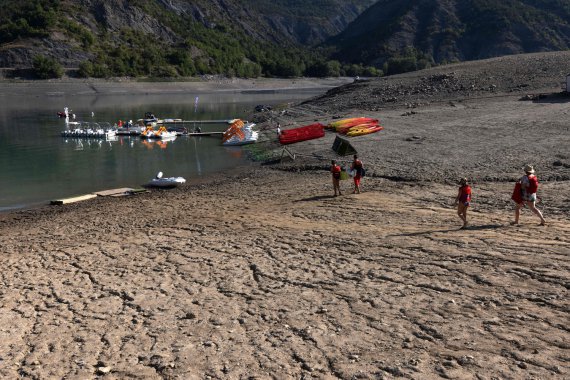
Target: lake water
38,165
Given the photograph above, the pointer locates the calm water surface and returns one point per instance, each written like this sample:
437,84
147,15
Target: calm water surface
38,165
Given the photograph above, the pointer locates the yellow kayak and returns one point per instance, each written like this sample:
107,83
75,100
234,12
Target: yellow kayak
364,130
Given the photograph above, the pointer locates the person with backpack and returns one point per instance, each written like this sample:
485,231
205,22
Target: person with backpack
463,200
358,169
529,187
335,170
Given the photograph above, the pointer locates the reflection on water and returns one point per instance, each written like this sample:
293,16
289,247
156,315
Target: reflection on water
150,144
234,151
39,165
79,143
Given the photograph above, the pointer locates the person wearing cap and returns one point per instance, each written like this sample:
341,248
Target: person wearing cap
529,187
463,200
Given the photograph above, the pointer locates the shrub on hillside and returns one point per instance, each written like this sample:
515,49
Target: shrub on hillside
411,60
85,69
46,68
164,72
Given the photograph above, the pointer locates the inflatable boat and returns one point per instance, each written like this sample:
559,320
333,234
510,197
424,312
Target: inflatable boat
165,183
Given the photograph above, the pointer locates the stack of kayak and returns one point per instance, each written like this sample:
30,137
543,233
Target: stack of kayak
356,126
308,132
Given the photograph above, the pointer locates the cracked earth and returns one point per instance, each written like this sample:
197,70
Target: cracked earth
266,275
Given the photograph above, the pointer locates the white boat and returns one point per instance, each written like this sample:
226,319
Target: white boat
165,183
160,133
88,130
240,133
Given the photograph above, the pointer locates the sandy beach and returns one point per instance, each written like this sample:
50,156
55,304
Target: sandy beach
262,273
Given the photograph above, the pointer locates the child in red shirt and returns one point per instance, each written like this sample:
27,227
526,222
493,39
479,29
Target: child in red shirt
463,200
335,170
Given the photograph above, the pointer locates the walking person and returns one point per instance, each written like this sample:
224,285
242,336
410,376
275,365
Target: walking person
335,170
358,171
529,187
463,200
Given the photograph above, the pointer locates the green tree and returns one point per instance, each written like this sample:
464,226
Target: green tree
322,69
333,68
398,65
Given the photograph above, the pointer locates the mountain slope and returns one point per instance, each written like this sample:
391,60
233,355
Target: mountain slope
450,30
207,36
306,22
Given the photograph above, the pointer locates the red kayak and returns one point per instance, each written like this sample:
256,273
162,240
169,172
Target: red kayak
308,132
343,125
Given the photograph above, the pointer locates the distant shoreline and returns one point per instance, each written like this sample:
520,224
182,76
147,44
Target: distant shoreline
70,86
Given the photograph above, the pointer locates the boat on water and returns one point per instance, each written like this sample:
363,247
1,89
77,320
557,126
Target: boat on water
89,130
130,130
150,119
160,133
180,131
165,182
240,133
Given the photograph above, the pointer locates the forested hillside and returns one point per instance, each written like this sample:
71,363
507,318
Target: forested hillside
175,38
411,34
285,38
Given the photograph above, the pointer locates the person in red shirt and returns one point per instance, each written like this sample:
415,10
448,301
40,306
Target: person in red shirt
463,200
358,170
335,170
529,187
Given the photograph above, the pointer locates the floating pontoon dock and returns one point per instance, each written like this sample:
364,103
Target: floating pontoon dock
199,134
121,192
177,121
